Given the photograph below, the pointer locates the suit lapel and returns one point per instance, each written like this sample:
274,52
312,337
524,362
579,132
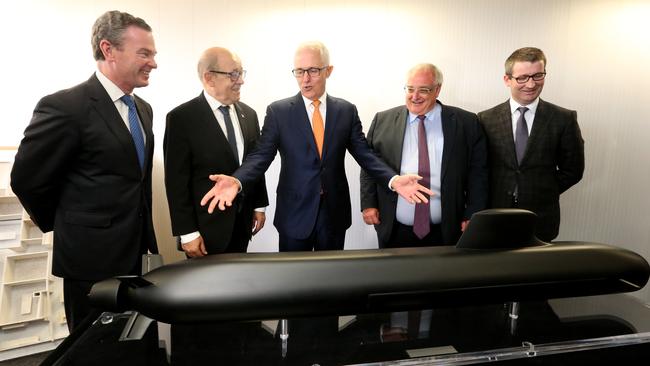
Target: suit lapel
207,116
299,113
504,124
102,103
449,127
541,116
147,126
398,137
331,116
246,131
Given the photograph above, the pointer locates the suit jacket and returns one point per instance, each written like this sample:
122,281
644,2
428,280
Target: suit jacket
195,147
464,176
304,177
553,162
77,173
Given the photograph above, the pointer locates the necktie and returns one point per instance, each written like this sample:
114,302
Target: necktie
230,130
422,220
134,126
521,134
318,127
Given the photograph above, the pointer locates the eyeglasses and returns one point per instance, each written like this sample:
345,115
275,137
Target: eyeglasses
421,90
523,79
312,71
234,75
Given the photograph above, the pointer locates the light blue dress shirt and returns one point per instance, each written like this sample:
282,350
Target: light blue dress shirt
435,142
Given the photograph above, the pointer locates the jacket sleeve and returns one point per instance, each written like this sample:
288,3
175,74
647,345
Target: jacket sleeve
571,155
51,141
367,185
178,165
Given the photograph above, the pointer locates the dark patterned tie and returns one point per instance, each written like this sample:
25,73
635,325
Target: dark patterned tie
134,126
422,220
230,130
521,134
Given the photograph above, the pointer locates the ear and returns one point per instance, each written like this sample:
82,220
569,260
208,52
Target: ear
107,49
328,72
506,80
437,90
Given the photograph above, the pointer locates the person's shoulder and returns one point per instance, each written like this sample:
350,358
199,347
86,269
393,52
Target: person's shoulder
245,108
391,111
462,113
554,108
187,106
289,101
67,100
491,113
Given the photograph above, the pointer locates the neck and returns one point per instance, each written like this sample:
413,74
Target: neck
105,68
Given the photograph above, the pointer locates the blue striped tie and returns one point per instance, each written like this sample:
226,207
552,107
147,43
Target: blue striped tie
134,126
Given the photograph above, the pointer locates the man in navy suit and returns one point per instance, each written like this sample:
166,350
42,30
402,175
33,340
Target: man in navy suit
83,168
312,131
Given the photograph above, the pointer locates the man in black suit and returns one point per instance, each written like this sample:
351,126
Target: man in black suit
457,164
212,133
312,131
83,168
536,150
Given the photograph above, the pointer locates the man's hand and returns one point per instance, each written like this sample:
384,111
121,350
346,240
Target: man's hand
408,187
223,193
371,216
259,218
195,248
463,225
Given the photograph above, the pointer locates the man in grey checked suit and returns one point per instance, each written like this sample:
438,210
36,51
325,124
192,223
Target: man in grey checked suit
535,157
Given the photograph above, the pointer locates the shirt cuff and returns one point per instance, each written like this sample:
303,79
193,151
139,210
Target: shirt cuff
239,184
189,237
260,209
390,182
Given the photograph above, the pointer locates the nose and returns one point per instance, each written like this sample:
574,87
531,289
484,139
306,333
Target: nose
153,63
530,83
306,75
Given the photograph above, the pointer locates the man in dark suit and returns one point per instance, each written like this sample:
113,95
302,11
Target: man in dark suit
312,131
457,163
212,133
535,148
83,168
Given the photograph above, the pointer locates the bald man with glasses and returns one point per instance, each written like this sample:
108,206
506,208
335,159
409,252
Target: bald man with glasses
213,132
443,144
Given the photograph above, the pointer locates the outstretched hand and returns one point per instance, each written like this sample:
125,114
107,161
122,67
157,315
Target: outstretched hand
223,193
408,187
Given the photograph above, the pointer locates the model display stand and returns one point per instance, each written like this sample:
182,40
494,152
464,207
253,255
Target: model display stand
32,316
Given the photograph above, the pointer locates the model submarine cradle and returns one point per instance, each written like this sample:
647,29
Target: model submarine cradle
497,259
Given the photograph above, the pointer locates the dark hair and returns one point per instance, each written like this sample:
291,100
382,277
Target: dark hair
111,27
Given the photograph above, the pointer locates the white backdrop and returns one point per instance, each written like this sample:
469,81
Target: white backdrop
598,55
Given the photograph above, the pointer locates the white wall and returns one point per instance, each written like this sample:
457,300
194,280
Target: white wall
598,54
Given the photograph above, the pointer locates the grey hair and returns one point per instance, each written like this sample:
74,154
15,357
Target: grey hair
111,27
318,47
437,74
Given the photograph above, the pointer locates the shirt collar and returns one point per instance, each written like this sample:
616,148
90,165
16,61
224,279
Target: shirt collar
212,102
114,92
437,108
531,107
308,102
